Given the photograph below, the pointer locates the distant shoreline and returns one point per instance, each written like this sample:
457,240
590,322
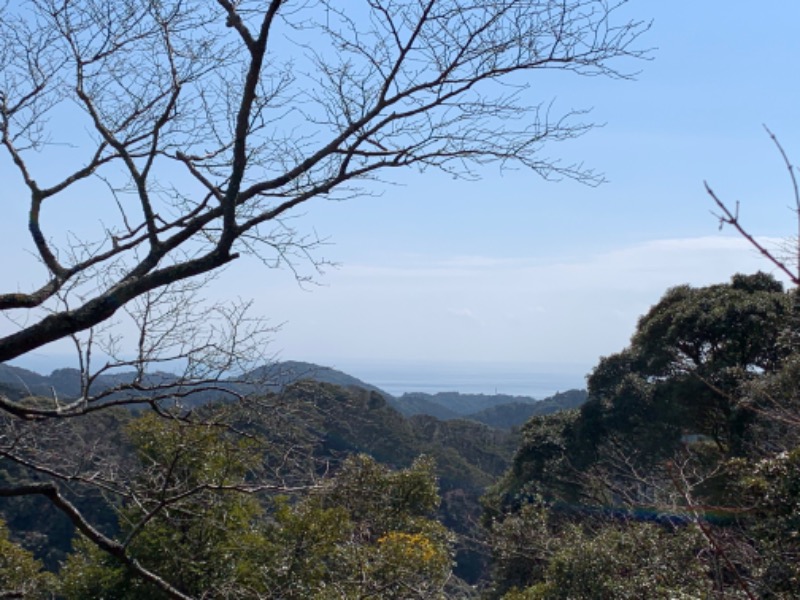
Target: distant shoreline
513,379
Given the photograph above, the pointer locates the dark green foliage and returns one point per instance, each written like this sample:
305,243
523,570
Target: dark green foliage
678,477
419,403
468,455
621,561
687,362
306,431
94,440
770,489
22,576
505,416
714,328
496,410
36,524
368,530
339,422
457,403
545,551
540,468
180,521
775,400
515,414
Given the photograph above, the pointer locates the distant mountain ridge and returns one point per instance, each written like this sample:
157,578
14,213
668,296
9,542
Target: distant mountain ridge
496,410
66,382
506,416
283,373
458,403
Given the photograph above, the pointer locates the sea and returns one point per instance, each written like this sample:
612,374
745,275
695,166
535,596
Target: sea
535,380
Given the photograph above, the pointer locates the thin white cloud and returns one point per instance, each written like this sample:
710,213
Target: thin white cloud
528,308
674,261
461,312
484,308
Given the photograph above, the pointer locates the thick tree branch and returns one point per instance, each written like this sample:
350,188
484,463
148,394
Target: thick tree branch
262,107
115,549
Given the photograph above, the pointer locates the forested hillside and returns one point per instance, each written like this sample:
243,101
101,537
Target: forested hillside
497,410
304,433
514,414
171,173
678,477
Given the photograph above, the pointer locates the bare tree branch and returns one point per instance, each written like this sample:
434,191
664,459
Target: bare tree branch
115,549
730,216
356,106
195,129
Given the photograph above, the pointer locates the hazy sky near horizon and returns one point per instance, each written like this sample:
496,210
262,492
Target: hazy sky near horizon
516,269
512,268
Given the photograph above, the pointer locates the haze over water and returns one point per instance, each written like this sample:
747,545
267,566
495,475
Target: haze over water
515,379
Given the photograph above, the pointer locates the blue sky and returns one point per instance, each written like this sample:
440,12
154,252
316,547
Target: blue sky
513,269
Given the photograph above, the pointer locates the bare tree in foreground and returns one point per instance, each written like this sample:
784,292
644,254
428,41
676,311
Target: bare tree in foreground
786,260
183,133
